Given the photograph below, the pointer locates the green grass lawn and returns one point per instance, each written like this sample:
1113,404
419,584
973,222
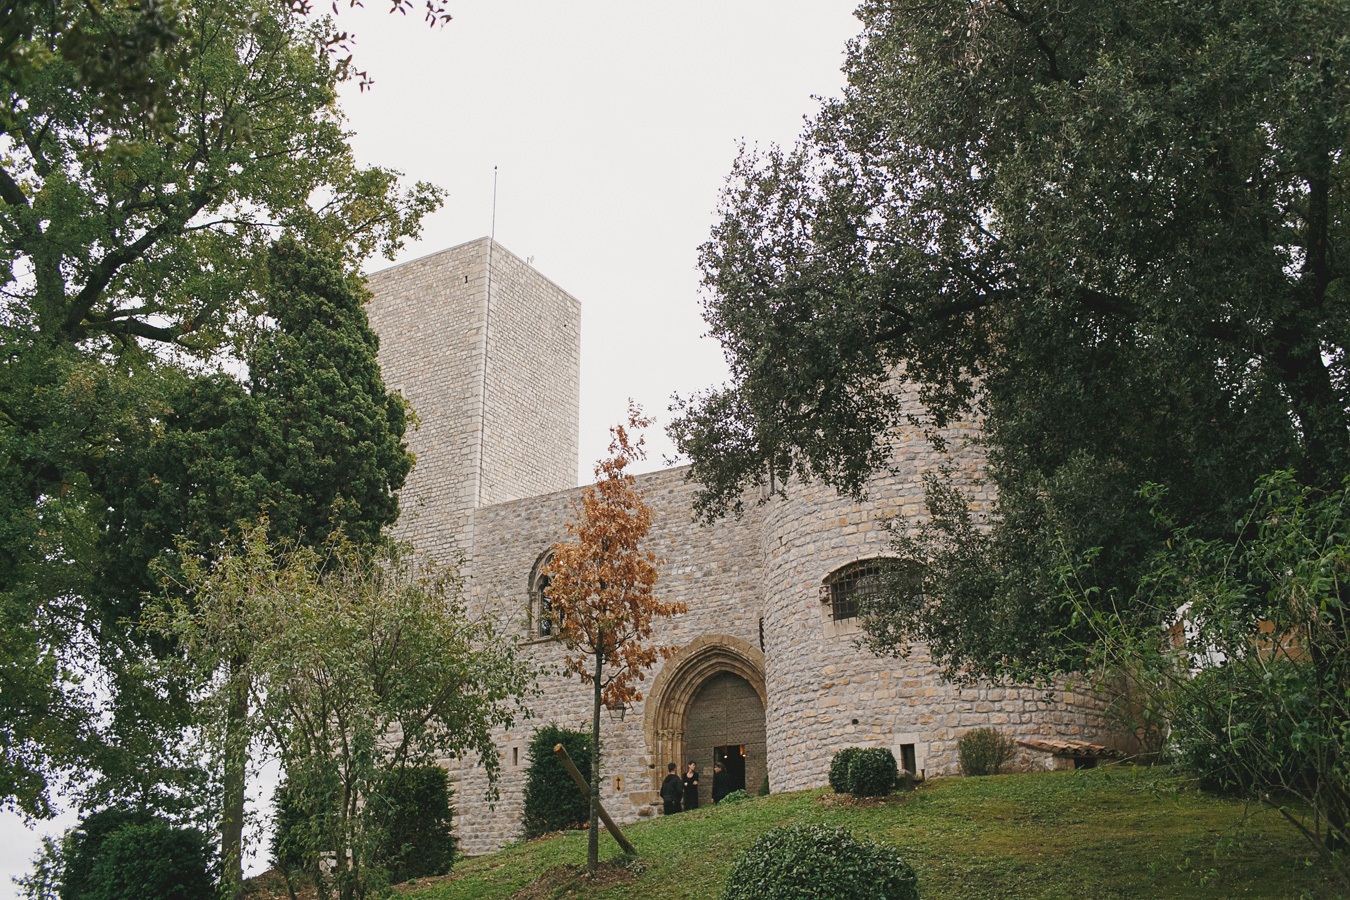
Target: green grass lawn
1108,832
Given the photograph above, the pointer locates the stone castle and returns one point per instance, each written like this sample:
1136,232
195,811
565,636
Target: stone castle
767,675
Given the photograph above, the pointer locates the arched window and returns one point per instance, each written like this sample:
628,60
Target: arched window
845,591
845,588
540,621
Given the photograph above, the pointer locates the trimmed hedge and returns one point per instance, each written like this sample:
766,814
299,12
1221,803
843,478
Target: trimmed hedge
415,827
289,838
864,772
552,801
819,862
873,773
839,766
410,815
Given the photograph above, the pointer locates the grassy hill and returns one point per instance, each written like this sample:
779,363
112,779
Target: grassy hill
1108,832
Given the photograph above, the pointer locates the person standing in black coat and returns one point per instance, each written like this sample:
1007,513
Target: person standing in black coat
721,783
672,791
691,787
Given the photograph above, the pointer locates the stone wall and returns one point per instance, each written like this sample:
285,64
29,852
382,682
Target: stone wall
533,385
822,692
715,570
495,386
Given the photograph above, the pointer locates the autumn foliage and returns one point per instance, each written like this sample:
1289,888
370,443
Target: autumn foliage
602,581
601,590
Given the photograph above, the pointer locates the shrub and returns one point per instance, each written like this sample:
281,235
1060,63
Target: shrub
736,797
415,825
153,859
819,862
303,816
764,787
983,751
839,766
1237,728
863,772
873,773
289,840
82,846
552,801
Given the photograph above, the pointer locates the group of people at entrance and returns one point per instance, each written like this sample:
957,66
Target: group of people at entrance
682,793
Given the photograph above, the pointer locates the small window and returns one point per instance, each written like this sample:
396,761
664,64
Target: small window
540,618
545,608
908,759
845,589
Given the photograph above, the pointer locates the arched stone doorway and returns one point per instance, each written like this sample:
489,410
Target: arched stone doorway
709,699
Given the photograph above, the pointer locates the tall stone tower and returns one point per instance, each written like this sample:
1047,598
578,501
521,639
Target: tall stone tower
488,353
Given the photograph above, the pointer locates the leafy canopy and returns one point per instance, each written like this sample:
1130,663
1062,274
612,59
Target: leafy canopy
1115,234
150,158
357,665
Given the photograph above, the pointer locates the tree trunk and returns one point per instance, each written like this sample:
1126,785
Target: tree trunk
342,872
232,782
593,839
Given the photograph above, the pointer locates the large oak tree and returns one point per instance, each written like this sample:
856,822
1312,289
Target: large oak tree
138,262
1115,233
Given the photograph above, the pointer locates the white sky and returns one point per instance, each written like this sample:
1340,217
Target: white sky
612,124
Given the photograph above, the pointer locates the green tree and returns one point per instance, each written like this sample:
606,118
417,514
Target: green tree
1113,233
311,439
601,586
133,230
358,665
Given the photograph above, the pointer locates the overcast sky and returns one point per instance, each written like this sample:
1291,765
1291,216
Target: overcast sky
612,124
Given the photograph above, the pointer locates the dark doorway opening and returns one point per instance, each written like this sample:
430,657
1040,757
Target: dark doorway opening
732,758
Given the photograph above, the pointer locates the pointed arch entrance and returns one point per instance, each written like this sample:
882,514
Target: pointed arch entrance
708,701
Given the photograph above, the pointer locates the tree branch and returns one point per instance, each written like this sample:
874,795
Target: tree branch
113,262
10,191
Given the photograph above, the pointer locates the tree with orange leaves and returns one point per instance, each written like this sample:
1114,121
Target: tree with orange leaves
601,590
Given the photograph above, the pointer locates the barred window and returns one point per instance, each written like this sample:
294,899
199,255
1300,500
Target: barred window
846,588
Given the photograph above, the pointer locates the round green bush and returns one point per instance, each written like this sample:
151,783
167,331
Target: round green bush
735,797
983,751
154,859
839,766
819,862
873,773
83,846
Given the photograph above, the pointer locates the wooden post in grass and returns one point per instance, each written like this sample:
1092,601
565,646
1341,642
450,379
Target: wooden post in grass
561,752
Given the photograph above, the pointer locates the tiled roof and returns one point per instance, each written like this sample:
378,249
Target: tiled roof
1076,749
